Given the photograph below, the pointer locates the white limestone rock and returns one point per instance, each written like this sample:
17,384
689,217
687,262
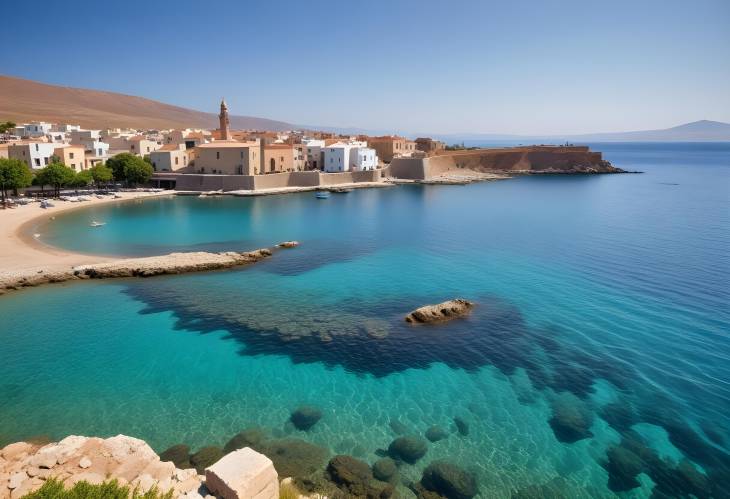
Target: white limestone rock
243,474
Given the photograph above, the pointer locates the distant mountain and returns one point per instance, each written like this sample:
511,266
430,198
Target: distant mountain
25,100
697,131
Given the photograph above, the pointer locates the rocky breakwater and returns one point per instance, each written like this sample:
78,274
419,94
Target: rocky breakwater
25,467
173,263
441,312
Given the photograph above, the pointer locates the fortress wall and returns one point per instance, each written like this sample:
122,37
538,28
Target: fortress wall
532,158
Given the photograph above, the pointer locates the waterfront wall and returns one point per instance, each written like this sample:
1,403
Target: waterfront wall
530,159
199,182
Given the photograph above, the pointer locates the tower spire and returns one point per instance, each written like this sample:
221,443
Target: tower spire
224,121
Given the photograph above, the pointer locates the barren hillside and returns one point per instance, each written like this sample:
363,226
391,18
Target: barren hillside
26,100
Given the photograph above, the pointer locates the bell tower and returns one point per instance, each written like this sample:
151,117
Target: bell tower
225,124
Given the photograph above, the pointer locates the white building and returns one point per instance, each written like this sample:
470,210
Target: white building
93,145
65,127
35,129
34,154
349,156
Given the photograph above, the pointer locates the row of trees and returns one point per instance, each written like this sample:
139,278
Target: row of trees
125,167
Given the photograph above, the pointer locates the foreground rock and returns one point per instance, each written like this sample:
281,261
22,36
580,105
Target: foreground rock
288,244
441,312
243,474
174,263
24,467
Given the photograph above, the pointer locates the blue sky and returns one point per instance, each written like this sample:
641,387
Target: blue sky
529,67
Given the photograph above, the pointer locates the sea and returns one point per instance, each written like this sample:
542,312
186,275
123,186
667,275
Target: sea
595,363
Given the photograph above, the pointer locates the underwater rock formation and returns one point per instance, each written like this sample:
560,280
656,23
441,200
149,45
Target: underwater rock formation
205,457
446,311
436,433
449,480
385,469
249,437
570,421
304,417
409,449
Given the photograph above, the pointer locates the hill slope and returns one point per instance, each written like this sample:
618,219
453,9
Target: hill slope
703,130
26,100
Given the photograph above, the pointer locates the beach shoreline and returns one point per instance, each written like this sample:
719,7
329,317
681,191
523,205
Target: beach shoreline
23,256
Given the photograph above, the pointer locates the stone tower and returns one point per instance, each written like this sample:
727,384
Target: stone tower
225,124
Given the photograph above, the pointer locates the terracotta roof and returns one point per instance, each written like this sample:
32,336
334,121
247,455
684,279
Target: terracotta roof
170,147
226,143
278,146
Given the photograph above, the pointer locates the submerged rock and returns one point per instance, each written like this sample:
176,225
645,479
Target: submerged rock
623,467
247,438
440,312
436,433
461,426
179,455
293,457
305,417
352,476
385,469
449,480
409,449
206,457
570,420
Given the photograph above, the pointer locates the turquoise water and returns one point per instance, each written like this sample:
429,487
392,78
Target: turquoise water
602,303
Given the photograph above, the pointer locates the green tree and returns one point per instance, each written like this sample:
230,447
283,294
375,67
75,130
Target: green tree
14,174
5,127
57,175
130,168
83,178
101,174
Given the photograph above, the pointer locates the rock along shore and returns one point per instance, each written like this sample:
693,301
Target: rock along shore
173,263
24,468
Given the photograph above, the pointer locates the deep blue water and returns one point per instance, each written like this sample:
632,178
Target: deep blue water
600,336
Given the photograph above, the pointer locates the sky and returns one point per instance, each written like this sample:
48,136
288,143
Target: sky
517,67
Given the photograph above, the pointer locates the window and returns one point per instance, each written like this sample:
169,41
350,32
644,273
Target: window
36,147
148,148
37,162
217,155
70,155
45,160
176,160
241,154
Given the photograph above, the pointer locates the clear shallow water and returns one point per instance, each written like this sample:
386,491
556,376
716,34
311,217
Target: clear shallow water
605,298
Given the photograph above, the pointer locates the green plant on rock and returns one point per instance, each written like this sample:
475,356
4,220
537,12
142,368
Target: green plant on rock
54,489
287,490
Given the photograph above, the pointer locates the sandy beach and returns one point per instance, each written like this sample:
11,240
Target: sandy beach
22,255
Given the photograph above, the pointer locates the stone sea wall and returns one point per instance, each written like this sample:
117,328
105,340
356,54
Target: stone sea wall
203,183
531,159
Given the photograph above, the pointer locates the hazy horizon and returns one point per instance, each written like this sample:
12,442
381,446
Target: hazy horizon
524,69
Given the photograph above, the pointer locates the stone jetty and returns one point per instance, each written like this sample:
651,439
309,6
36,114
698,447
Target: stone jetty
173,263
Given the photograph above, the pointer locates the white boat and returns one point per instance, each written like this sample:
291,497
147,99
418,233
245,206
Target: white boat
323,195
94,223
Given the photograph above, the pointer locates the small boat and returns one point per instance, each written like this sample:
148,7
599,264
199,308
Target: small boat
94,223
46,204
36,235
322,195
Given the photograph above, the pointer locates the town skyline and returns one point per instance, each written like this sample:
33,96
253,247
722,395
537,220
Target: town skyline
528,69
